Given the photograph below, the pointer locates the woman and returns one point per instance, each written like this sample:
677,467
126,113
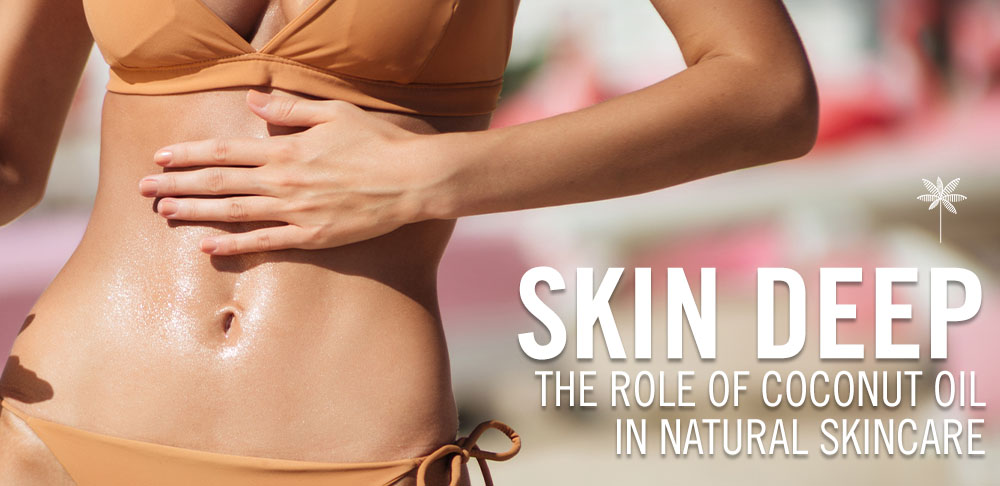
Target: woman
264,302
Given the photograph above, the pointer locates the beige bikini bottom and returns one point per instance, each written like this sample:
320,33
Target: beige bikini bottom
93,459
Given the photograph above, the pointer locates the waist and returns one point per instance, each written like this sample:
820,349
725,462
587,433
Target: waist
310,355
127,236
136,266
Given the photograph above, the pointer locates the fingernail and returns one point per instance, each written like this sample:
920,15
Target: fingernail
208,246
147,187
258,99
167,207
163,157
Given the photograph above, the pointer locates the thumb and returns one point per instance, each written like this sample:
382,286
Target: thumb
286,110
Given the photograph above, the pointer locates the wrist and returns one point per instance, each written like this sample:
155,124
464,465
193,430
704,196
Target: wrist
447,156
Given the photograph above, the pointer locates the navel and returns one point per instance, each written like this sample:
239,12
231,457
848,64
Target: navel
228,321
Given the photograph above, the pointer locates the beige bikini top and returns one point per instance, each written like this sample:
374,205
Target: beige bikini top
429,57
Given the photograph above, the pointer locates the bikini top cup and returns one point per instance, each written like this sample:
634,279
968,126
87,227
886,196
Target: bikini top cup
429,57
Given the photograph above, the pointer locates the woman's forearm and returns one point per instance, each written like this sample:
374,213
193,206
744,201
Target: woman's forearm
723,113
747,98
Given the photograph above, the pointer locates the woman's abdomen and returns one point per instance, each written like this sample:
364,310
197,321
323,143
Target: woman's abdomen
330,355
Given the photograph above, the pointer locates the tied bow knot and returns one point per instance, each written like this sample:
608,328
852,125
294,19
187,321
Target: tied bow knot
465,448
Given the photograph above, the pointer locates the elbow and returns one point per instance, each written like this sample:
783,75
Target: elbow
794,117
17,200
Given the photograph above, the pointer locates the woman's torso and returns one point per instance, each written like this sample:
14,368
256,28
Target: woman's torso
332,355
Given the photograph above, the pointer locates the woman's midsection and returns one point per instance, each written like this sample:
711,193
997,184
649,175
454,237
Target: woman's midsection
331,355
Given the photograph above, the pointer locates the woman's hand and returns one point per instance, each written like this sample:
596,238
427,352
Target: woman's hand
748,97
349,177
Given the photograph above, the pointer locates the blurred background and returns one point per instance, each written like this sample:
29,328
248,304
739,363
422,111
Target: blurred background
908,91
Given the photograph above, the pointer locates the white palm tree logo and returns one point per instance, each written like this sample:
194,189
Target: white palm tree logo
940,195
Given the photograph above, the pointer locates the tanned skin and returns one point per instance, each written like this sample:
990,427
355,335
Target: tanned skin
299,319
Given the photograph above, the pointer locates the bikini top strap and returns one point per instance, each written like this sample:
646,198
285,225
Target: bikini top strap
465,448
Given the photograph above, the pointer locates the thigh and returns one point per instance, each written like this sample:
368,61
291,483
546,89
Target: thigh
24,458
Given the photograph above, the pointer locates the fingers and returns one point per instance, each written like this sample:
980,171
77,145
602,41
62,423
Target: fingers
266,239
208,181
294,112
230,209
217,151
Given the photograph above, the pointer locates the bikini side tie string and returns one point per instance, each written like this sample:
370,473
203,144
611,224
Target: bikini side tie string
465,448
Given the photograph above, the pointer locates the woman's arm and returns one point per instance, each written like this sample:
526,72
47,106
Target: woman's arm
747,98
43,49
